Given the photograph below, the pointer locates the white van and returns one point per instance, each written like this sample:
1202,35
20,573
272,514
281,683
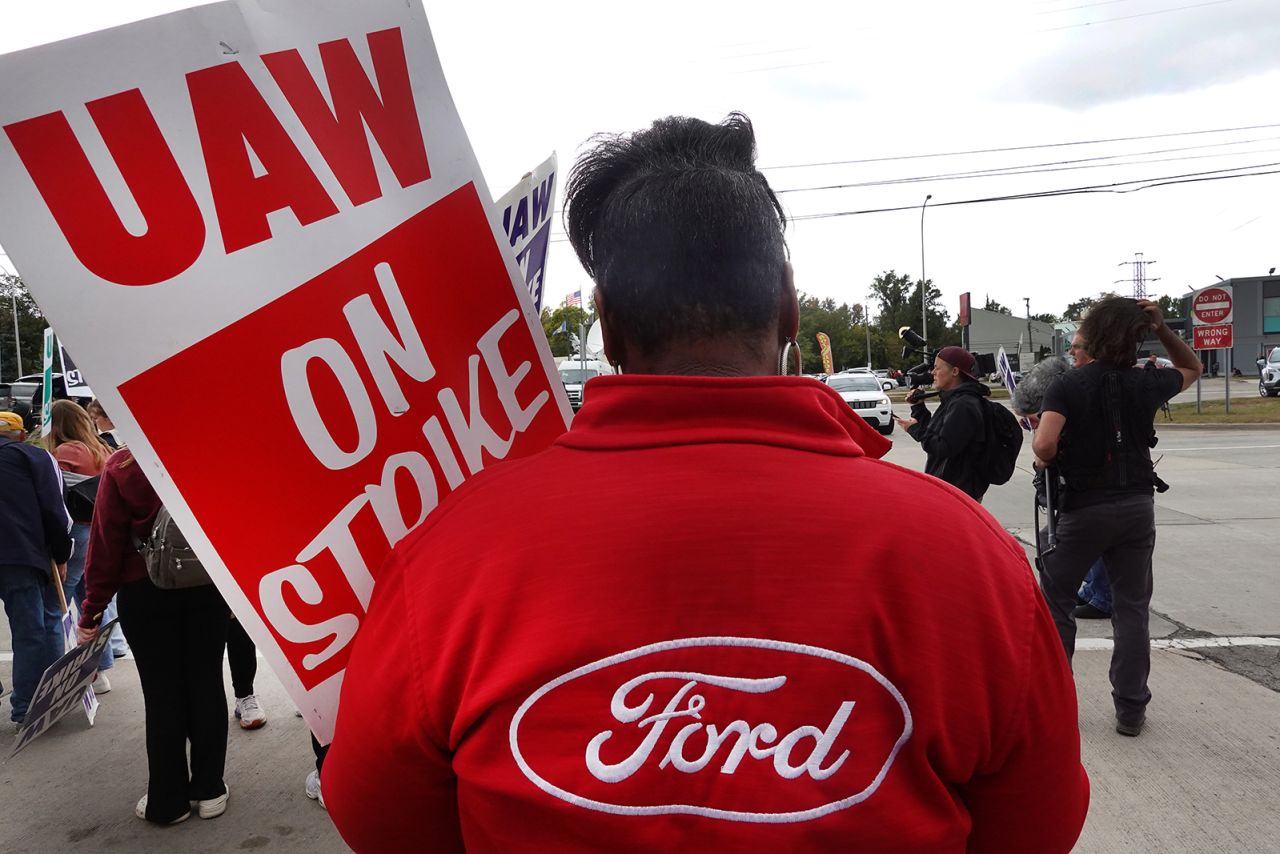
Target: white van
574,373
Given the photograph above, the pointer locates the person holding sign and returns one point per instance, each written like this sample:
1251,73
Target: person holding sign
708,669
73,441
177,638
34,534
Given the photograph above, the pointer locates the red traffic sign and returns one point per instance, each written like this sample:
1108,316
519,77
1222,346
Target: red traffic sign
1213,337
1211,306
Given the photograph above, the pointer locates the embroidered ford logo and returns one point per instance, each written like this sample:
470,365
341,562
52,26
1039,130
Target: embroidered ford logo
738,729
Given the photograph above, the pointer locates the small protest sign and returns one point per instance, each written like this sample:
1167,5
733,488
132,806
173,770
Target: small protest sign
526,212
61,689
76,385
273,207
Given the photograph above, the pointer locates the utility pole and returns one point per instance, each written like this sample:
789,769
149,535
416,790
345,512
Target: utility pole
1031,347
1139,278
924,291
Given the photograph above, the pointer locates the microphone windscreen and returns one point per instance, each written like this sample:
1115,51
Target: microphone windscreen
1028,397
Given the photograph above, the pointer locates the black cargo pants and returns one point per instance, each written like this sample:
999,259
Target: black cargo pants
1123,533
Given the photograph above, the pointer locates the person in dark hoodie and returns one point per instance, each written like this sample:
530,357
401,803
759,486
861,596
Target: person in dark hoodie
952,436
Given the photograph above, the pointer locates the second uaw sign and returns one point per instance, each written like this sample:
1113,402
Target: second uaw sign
262,230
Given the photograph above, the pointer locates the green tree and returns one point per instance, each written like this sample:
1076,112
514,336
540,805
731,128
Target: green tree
842,323
1080,307
1170,306
31,326
572,318
1046,317
992,305
899,298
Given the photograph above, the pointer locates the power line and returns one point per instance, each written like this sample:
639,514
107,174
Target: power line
1020,147
1138,15
1146,184
1034,169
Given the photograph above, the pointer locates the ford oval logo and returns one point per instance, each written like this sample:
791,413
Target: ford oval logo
737,729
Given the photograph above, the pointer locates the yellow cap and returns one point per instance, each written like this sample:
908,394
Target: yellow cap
10,421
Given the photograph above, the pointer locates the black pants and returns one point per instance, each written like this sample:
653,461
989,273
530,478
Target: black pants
178,637
1123,533
242,658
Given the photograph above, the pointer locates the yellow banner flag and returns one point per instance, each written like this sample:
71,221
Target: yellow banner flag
824,344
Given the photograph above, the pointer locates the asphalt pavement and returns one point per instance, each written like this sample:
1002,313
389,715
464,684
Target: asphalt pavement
1204,776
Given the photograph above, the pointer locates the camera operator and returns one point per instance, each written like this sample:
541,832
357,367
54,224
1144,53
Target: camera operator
952,436
1096,428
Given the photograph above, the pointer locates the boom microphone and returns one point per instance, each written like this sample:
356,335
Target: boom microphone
1028,397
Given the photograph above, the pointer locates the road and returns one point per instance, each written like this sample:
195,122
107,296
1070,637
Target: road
1205,776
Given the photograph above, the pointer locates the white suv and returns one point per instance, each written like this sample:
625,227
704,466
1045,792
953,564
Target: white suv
865,396
1269,382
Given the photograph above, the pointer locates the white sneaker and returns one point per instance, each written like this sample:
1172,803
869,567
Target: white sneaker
249,713
214,807
313,788
101,684
140,810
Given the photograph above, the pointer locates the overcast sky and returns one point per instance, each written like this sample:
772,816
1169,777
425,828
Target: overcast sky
826,84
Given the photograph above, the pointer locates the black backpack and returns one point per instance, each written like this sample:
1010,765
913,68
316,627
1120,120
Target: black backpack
1002,440
171,562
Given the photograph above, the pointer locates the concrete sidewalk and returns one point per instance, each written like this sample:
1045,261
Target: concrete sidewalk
1204,775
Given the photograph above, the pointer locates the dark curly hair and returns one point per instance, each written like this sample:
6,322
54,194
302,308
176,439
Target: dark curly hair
1113,330
679,230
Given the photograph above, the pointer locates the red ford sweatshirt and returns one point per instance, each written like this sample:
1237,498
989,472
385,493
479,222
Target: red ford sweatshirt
708,618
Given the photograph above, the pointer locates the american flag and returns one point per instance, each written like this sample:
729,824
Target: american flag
574,299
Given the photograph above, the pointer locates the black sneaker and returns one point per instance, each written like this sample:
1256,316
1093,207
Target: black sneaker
1131,728
1088,612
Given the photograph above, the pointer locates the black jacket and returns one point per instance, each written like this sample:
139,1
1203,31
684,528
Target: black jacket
952,437
34,524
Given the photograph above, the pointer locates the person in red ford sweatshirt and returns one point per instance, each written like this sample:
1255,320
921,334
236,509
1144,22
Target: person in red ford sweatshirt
732,654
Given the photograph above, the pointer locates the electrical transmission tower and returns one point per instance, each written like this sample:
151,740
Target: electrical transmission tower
1139,278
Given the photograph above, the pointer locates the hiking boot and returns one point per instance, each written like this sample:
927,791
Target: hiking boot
1088,612
249,713
1131,728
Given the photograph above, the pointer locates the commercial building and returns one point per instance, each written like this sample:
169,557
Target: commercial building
988,331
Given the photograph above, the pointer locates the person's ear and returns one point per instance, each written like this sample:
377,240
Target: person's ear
614,350
788,306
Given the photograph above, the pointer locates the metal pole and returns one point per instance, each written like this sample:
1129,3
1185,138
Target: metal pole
1198,389
1030,343
17,344
924,293
1226,352
866,321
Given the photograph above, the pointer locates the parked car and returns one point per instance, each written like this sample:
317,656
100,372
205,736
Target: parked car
1269,381
865,396
887,380
26,393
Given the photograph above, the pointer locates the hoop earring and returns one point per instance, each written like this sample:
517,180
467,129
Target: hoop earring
784,360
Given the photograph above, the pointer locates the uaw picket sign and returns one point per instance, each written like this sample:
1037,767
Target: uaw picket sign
63,688
262,225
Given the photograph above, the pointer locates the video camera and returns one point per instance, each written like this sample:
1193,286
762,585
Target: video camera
922,374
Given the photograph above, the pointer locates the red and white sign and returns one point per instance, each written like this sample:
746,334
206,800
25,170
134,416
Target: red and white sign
1212,337
261,228
1211,306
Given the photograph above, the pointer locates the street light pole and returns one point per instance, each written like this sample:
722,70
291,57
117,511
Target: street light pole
17,345
866,321
924,292
1030,346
